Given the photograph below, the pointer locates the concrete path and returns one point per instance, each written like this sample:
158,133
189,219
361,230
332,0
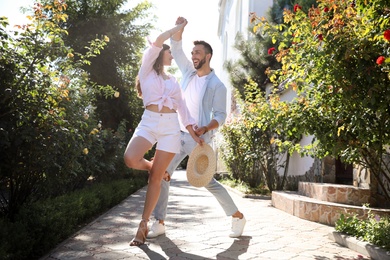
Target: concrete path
197,228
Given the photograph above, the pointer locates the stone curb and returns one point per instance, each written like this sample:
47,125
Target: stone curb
365,248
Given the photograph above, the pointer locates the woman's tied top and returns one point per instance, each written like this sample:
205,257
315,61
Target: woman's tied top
157,91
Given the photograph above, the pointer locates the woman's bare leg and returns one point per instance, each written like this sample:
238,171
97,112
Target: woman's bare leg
134,154
160,164
134,158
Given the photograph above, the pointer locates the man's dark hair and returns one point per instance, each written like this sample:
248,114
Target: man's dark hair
206,46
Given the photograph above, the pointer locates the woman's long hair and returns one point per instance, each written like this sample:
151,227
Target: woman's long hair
158,66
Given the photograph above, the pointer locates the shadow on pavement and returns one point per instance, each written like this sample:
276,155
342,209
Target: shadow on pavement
238,247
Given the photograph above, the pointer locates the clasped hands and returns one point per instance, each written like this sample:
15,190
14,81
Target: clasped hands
181,20
200,130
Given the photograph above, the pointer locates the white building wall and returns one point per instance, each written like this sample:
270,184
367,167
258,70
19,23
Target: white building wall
298,165
234,17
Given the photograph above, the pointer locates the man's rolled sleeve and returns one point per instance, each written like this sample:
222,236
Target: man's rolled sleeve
219,105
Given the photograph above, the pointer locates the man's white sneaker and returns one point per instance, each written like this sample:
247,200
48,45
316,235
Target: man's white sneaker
156,229
238,225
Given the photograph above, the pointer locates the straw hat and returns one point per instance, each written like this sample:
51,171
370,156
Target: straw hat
201,165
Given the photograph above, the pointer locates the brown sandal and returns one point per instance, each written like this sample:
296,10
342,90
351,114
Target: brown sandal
141,234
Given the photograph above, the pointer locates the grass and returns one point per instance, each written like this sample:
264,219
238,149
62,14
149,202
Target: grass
244,187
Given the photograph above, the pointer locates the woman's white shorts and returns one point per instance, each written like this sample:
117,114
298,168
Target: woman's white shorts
160,128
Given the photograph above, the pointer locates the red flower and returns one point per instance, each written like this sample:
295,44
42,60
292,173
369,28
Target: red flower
386,34
320,37
271,50
326,9
380,60
297,7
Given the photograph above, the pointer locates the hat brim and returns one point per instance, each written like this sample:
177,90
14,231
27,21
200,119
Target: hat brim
201,165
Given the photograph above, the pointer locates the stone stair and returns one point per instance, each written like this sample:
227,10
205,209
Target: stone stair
325,202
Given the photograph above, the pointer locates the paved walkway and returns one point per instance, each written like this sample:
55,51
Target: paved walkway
197,228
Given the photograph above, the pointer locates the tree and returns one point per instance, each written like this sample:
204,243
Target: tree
336,57
252,64
256,56
45,97
118,64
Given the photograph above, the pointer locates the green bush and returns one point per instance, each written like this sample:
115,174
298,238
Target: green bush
243,187
46,112
40,226
248,148
374,229
51,139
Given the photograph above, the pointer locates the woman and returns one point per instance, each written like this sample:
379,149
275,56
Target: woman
162,97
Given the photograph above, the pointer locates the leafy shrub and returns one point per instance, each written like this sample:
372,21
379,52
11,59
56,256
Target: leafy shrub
261,189
44,97
50,138
374,229
40,226
248,146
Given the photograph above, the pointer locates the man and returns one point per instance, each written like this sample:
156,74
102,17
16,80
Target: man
205,97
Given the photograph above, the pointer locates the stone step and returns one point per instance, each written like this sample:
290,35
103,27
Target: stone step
312,209
344,194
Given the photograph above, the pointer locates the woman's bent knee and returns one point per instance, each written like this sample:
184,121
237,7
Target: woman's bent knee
130,162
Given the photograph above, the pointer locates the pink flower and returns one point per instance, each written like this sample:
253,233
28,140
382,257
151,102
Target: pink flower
271,50
297,7
386,34
380,60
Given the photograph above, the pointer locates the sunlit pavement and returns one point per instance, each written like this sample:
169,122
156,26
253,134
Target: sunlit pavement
197,228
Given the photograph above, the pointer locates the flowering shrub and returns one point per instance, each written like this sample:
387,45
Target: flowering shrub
249,150
271,50
386,35
297,7
329,58
380,60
